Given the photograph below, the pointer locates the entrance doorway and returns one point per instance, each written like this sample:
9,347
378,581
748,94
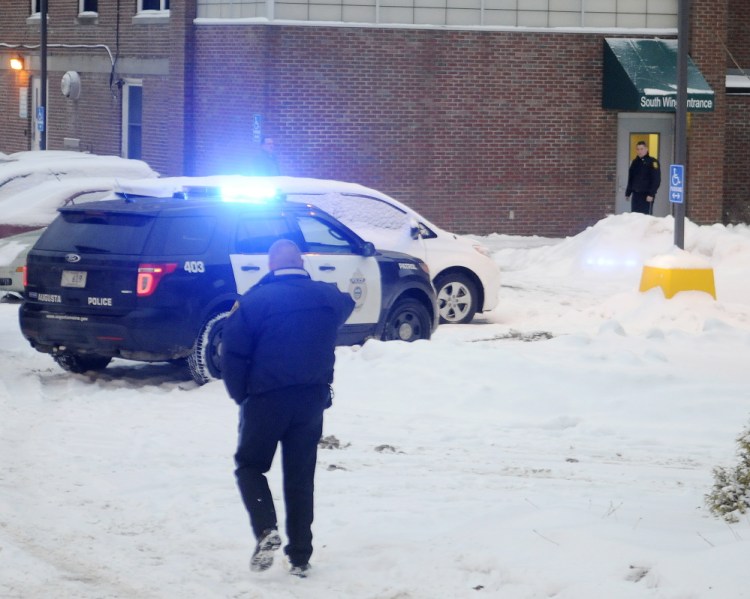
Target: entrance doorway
657,130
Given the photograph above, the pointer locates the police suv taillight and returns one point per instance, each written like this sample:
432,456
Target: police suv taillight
149,276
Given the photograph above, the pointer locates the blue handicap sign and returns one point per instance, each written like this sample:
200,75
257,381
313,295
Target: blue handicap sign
676,183
40,118
257,127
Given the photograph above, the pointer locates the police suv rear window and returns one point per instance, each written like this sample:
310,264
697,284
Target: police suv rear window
96,232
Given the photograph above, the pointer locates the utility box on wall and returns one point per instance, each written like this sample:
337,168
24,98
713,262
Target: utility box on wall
70,85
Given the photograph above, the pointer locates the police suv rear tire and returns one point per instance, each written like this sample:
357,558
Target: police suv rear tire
205,361
79,363
408,320
457,298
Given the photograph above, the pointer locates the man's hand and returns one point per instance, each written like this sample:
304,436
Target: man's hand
649,198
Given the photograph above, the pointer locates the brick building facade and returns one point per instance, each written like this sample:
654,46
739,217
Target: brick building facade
482,129
737,143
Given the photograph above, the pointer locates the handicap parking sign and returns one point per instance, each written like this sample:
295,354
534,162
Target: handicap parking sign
257,127
676,183
40,118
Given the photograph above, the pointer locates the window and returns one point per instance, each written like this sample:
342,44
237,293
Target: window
88,6
132,119
36,7
181,236
256,235
322,237
98,231
357,210
153,5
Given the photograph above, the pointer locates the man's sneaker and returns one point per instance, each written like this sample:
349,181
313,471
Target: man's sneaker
263,555
300,571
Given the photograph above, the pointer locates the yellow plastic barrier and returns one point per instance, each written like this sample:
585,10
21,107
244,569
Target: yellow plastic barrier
674,280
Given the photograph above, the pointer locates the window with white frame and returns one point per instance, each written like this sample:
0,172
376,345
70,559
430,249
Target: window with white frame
160,5
640,14
132,119
35,7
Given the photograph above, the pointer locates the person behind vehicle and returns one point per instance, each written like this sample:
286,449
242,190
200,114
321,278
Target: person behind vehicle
265,162
644,178
277,364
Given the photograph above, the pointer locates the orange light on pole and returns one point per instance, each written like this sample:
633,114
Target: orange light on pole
16,63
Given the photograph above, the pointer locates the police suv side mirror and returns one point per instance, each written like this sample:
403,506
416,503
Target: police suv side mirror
368,249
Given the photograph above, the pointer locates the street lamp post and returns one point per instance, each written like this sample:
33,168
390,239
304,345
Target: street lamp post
683,38
42,123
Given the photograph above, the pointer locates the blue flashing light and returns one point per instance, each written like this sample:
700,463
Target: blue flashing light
253,192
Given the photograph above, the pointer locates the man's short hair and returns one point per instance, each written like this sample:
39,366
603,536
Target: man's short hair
284,253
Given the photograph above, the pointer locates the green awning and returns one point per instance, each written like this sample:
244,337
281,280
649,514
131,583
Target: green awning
640,75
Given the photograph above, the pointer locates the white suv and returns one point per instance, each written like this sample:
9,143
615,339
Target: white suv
466,279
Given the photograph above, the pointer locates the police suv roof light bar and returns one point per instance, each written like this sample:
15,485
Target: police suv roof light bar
253,193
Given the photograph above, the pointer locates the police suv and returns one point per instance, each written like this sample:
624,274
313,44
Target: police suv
152,279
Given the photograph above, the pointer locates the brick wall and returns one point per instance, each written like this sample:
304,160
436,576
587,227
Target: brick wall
14,130
736,154
467,127
181,82
737,161
95,118
738,34
705,174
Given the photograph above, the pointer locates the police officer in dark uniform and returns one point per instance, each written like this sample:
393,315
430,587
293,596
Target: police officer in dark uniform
644,178
277,364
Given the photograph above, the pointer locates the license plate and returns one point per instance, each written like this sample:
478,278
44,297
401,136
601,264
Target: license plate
73,278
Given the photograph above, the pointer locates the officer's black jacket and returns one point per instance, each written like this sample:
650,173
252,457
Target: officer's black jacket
644,176
282,334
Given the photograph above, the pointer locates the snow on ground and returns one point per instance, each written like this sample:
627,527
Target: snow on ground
560,446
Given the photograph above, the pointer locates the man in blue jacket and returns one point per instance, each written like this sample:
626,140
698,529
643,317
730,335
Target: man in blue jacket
277,364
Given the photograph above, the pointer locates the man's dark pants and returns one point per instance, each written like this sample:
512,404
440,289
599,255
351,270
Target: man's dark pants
639,203
294,417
